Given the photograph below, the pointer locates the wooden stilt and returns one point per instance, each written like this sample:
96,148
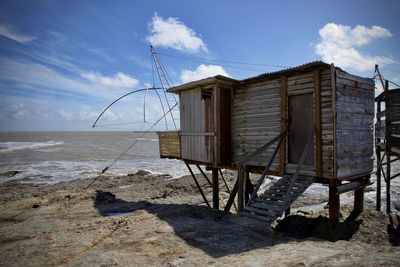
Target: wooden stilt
215,188
388,174
204,175
287,212
227,188
358,201
250,187
379,163
198,185
210,183
240,188
378,179
388,141
232,198
246,186
334,207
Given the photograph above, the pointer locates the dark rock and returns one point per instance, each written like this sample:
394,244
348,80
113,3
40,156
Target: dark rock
397,206
165,176
9,173
143,173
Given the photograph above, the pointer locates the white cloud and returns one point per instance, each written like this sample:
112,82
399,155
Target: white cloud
20,38
87,113
66,115
173,33
117,80
339,44
202,71
38,79
16,111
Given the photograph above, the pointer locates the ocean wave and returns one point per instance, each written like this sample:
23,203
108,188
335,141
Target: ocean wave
6,147
51,172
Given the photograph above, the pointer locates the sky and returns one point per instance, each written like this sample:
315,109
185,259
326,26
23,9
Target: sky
63,62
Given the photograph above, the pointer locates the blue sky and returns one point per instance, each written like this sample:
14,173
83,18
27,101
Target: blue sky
62,62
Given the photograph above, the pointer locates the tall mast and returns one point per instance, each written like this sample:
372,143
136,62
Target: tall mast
170,98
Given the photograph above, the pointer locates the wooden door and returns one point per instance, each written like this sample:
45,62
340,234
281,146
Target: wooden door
301,123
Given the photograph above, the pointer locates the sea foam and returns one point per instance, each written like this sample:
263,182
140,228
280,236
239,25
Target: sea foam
13,146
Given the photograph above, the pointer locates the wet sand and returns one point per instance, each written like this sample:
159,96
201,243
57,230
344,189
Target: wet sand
145,220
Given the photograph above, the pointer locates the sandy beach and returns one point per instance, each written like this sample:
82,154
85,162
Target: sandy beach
144,220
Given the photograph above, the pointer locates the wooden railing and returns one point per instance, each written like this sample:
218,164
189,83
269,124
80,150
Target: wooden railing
303,156
238,188
242,167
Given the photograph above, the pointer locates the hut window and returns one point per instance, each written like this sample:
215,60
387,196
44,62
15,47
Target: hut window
206,94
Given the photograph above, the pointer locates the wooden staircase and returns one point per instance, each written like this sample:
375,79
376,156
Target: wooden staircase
274,201
271,204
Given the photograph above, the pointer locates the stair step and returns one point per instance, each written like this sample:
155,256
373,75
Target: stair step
294,185
257,217
271,197
300,183
277,198
260,211
269,202
279,195
264,206
297,181
275,206
281,192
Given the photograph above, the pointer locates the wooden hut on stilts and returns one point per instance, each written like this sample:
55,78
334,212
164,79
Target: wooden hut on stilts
387,141
308,124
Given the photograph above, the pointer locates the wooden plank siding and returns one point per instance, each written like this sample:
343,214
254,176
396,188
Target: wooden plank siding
223,120
354,124
284,124
169,144
306,83
195,123
258,117
256,120
392,118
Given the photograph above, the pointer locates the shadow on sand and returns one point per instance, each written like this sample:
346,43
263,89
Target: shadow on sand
302,227
393,229
219,234
209,230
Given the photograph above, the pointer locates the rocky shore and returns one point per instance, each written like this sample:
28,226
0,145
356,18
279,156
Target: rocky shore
145,220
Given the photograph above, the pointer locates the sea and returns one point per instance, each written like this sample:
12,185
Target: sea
52,157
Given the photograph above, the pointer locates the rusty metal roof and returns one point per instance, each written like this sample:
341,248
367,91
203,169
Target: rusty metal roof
202,82
220,78
300,68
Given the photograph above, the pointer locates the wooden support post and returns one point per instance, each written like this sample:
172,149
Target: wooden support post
240,188
198,185
358,201
378,180
287,212
318,123
388,137
250,187
334,207
215,188
232,198
246,187
204,175
378,161
228,189
282,152
388,174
